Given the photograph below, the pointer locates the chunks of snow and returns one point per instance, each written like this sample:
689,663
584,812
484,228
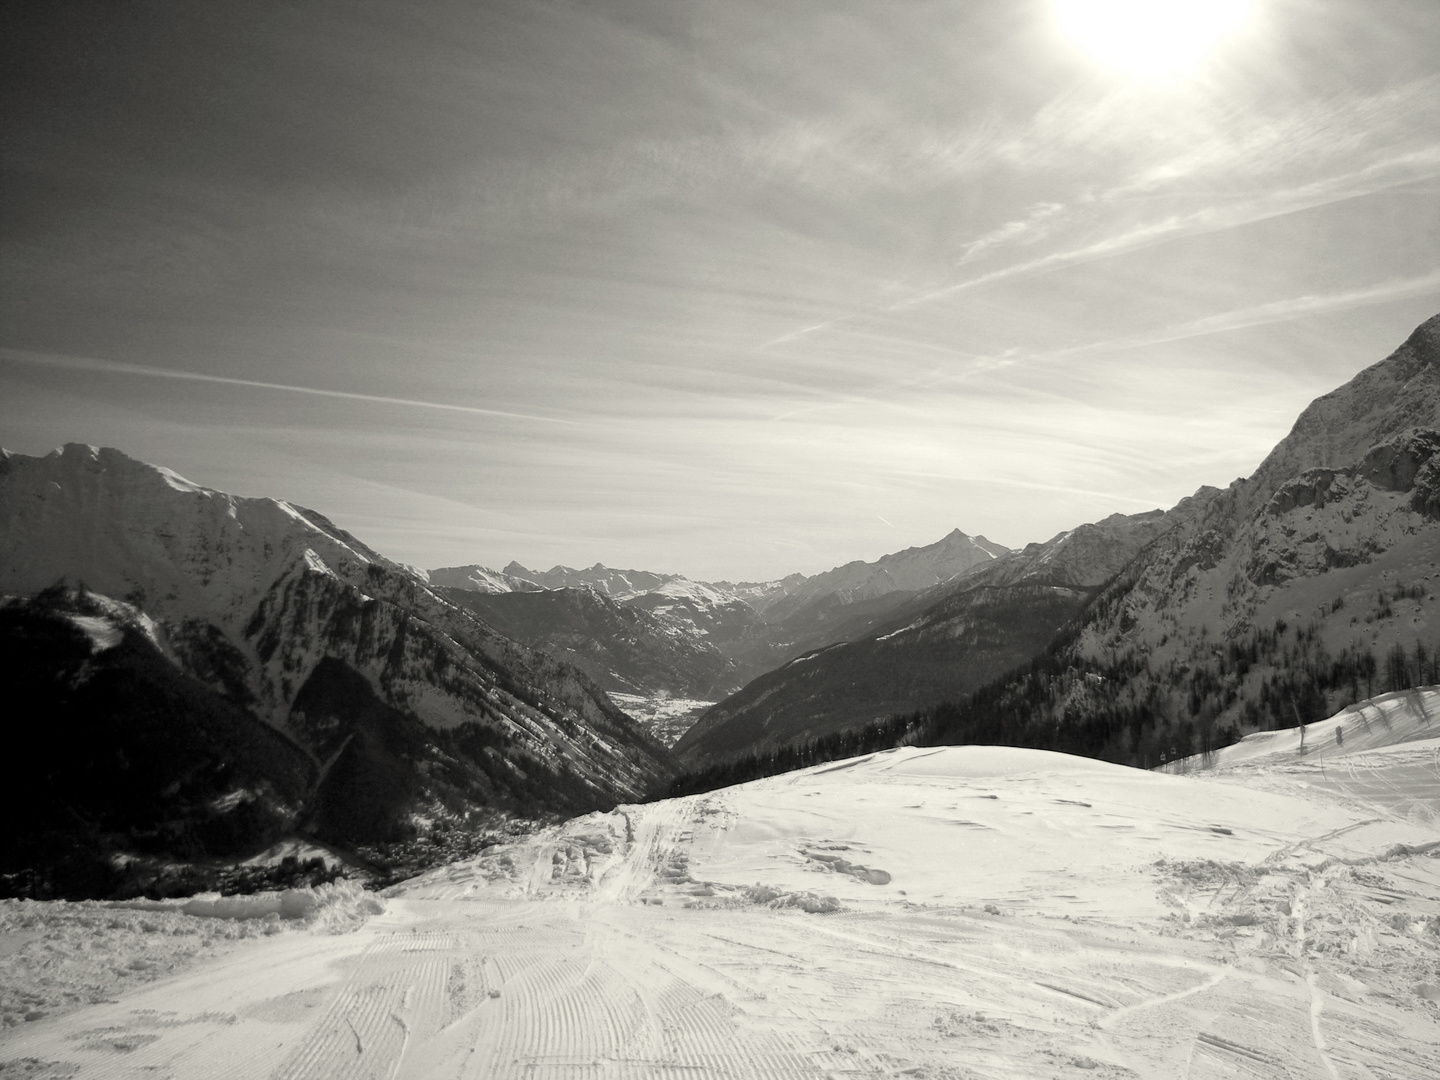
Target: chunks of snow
342,901
316,563
176,481
103,633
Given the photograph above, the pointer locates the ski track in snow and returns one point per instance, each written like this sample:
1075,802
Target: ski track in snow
1044,917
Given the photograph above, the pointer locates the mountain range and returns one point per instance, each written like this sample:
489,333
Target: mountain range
934,645
728,632
208,672
331,690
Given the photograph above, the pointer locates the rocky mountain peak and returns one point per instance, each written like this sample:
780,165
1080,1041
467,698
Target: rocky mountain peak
1337,429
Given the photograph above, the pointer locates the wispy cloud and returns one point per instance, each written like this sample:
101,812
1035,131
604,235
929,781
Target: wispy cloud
112,367
1278,311
1287,310
1382,176
1107,159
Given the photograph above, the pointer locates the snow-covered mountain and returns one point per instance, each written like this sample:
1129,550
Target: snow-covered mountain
619,584
478,579
1308,585
1271,601
283,614
1290,593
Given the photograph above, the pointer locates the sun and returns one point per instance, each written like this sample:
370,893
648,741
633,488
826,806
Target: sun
1151,38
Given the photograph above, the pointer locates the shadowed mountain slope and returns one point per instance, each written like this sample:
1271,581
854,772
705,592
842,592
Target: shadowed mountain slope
281,614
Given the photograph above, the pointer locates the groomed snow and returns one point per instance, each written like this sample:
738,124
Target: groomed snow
937,912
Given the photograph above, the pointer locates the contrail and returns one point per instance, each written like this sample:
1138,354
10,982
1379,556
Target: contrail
1239,319
82,363
1299,306
1212,219
1260,315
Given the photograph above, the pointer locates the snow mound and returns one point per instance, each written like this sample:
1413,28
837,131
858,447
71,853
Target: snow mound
334,907
808,902
978,762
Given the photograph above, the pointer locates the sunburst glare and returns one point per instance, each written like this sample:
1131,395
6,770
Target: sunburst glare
1151,38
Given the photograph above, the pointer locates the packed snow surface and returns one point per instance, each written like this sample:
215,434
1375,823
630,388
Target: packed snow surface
922,912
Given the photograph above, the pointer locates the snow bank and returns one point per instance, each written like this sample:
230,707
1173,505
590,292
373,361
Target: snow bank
1405,716
56,955
808,902
339,905
979,762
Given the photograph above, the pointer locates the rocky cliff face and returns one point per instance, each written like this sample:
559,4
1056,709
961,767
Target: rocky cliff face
1344,502
1336,430
280,612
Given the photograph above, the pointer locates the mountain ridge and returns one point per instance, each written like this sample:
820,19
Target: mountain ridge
755,626
267,605
1307,586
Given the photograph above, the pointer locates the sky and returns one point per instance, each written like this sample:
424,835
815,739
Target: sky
725,288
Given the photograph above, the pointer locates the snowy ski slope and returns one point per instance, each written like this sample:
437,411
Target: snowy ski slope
923,912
